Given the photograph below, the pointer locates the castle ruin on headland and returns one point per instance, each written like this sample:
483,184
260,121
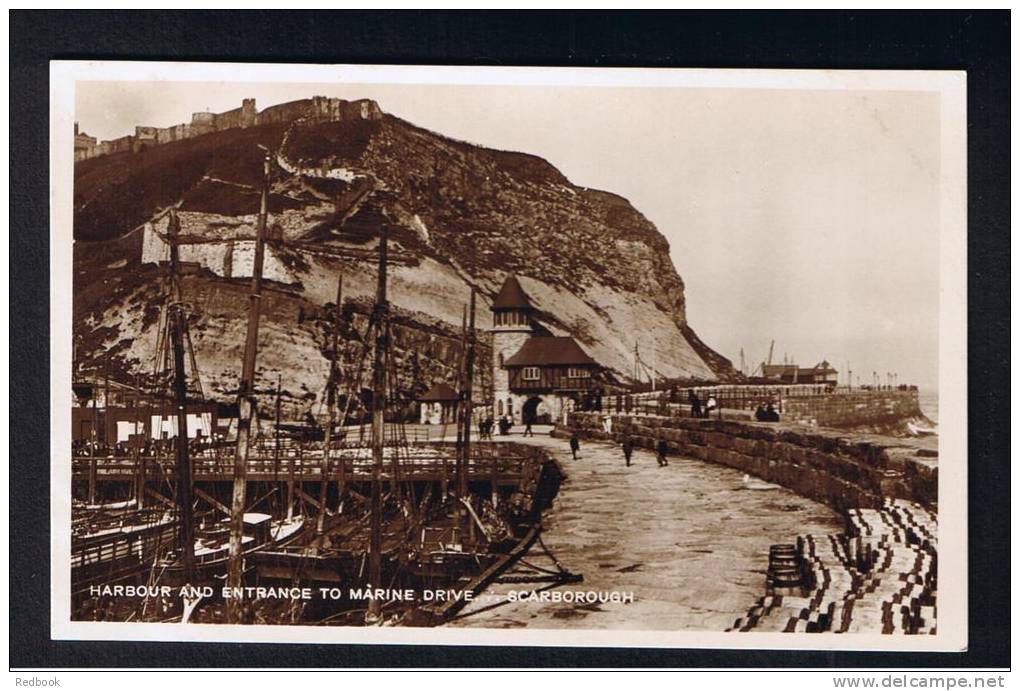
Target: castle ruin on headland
317,108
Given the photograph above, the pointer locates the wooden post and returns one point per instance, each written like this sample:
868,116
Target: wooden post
142,471
395,485
378,431
276,432
106,398
291,470
246,408
469,376
459,410
465,414
183,461
93,472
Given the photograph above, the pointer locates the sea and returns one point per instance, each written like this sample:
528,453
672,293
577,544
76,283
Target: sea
929,402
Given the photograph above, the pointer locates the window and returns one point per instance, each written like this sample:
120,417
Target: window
578,373
510,318
530,374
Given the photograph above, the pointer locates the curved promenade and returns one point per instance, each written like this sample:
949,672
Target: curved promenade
687,541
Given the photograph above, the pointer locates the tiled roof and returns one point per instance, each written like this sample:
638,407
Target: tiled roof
439,392
549,350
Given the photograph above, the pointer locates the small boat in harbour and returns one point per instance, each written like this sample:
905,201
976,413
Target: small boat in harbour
212,543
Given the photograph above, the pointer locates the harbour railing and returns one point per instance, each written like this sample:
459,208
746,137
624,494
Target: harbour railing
305,467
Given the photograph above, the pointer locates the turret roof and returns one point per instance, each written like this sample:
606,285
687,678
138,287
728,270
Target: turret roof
511,296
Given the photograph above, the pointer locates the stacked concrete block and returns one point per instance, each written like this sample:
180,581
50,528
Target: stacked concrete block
879,577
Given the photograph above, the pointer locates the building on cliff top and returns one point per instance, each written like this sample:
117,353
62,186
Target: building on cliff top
82,141
317,108
535,376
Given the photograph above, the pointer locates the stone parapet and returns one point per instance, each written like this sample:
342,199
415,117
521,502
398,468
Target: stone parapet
848,409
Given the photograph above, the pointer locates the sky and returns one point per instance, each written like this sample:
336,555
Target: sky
808,217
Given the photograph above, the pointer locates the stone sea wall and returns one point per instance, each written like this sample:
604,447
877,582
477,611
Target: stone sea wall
848,409
840,469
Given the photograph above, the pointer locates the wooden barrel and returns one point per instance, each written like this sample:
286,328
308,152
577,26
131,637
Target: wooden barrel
785,576
784,549
785,580
780,562
783,556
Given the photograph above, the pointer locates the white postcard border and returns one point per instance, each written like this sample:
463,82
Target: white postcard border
952,605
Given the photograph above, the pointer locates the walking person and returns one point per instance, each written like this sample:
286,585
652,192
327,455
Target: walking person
661,449
528,420
695,402
575,445
628,448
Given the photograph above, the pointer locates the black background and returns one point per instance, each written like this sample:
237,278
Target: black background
974,41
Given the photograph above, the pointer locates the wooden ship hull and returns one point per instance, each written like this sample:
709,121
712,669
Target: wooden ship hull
110,549
211,551
452,546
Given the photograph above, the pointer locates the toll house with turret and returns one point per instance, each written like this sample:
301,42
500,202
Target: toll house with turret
536,375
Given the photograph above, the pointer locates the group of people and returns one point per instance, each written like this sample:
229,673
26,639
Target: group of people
766,412
151,447
504,424
627,445
83,448
701,410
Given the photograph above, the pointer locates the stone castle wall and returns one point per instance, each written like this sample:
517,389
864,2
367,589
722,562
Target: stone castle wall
840,470
316,108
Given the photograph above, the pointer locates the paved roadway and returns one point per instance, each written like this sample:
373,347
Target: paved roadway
687,540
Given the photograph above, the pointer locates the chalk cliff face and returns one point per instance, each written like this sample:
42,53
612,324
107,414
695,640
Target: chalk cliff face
458,215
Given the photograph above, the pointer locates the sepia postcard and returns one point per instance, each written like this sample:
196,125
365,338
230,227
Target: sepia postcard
508,356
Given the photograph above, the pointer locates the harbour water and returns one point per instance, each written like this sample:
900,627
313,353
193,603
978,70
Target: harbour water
687,541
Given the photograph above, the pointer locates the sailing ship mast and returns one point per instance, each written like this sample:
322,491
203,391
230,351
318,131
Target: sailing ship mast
378,430
178,331
320,524
246,406
466,402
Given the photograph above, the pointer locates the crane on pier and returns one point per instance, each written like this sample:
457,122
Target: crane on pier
760,369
